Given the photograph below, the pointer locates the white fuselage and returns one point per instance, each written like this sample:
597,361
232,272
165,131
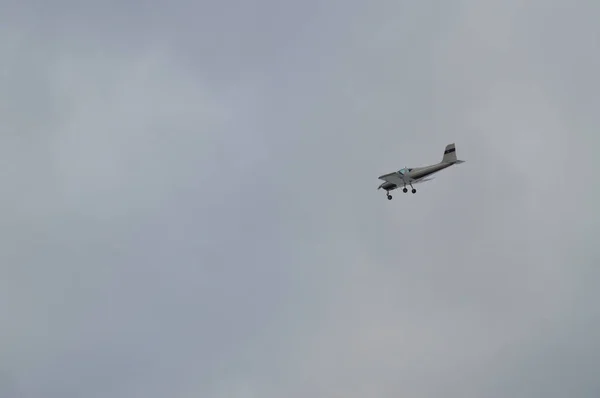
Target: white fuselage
407,176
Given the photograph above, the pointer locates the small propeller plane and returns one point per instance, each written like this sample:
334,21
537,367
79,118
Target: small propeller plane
418,175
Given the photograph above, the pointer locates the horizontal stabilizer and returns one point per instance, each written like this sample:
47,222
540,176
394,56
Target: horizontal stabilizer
423,180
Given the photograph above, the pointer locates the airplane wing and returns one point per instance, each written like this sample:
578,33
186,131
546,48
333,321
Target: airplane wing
394,178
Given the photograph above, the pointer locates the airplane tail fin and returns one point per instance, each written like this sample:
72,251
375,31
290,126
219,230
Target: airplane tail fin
449,154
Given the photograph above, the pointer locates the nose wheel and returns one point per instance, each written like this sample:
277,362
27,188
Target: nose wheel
389,196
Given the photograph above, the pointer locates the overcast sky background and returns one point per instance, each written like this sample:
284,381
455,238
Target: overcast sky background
189,203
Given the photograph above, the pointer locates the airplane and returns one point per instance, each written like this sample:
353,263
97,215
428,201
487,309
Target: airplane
418,175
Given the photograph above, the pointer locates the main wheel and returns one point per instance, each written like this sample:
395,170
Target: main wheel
389,197
405,190
414,191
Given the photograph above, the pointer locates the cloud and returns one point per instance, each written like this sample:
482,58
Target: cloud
119,206
203,219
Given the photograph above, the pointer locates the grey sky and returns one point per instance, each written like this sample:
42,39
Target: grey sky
190,204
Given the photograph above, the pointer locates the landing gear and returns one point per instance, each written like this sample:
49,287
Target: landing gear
405,190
